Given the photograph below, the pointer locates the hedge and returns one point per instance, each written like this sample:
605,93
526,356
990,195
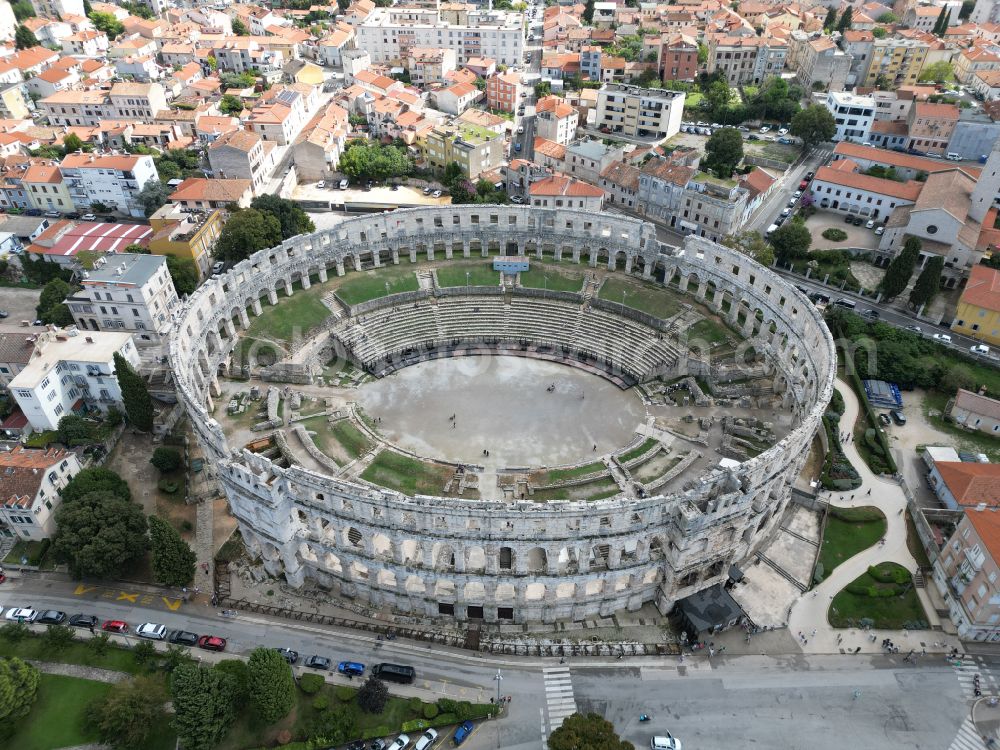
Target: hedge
310,684
859,390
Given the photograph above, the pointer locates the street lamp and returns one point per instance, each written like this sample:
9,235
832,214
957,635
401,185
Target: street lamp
467,280
545,285
623,301
498,677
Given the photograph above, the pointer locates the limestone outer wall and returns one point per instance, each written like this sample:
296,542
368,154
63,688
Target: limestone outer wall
522,561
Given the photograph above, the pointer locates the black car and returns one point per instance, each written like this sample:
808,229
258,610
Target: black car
317,662
848,219
83,621
4,313
290,656
73,215
897,417
378,744
858,221
810,175
356,745
183,638
51,617
33,212
110,219
871,314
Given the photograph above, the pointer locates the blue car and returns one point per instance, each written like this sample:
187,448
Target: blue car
351,668
463,732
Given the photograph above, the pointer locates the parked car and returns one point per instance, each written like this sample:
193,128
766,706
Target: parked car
848,219
378,744
426,740
858,221
4,313
810,175
344,184
212,643
183,638
52,214
321,184
436,194
942,337
115,626
664,742
870,314
51,617
786,211
516,199
83,621
88,217
400,742
151,630
463,732
782,131
427,190
752,137
520,129
797,194
766,129
792,202
979,349
879,230
870,224
915,329
21,614
317,662
898,417
353,668
517,147
288,655
804,184
33,212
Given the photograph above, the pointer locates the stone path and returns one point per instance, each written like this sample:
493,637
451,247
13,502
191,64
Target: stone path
204,544
79,671
809,614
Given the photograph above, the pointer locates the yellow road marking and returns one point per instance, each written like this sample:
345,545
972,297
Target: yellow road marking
81,589
172,604
130,597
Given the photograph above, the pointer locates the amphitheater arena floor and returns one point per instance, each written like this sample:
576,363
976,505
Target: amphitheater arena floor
502,404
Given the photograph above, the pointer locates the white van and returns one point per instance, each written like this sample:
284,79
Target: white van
770,230
979,349
952,156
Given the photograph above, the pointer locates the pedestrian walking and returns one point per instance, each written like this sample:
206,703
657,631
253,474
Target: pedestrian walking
869,491
92,630
814,633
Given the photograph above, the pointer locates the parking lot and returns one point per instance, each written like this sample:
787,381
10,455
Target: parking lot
403,196
856,236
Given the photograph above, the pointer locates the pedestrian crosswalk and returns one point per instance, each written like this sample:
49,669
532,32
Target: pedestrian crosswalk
967,667
559,701
967,738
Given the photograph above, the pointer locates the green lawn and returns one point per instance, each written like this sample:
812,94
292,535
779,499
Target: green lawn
639,450
58,717
709,330
361,287
561,475
407,475
33,647
848,531
656,302
480,273
32,551
853,604
547,277
301,312
352,440
599,489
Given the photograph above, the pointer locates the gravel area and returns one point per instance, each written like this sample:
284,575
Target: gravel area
77,670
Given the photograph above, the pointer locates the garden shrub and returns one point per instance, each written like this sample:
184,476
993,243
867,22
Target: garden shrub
834,235
415,704
344,693
321,703
818,573
310,684
168,486
430,711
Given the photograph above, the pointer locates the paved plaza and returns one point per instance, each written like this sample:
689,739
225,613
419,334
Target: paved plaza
502,404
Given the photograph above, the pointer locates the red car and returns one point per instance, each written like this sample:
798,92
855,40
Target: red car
212,643
115,626
804,184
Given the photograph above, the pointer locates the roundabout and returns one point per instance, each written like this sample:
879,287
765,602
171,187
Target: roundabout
712,374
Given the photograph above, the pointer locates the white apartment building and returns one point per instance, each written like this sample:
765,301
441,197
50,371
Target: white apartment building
109,179
130,292
557,122
388,34
639,112
58,8
125,101
30,481
71,372
853,114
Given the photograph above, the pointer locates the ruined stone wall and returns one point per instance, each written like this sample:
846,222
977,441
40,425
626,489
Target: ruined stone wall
509,561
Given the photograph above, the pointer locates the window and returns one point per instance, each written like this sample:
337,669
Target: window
932,229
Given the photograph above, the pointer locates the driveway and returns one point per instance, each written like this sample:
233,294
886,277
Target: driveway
856,236
19,304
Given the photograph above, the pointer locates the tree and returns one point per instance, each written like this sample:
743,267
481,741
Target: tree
236,670
22,9
25,38
108,24
927,283
363,160
845,19
588,12
135,394
813,125
373,695
230,105
153,195
791,240
957,376
293,219
245,233
831,18
751,244
75,430
702,54
898,273
95,479
941,71
213,63
967,7
58,637
204,705
129,713
18,687
723,151
50,307
270,683
888,18
879,32
240,28
587,732
173,560
184,274
166,459
98,534
718,95
143,652
941,23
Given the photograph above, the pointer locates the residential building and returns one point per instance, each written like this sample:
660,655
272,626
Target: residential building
842,188
58,8
389,33
520,174
125,101
14,102
204,194
639,112
242,155
318,147
853,115
966,572
115,181
71,372
555,120
820,61
15,353
931,125
586,159
503,91
978,313
559,191
735,57
620,183
986,83
64,240
428,65
30,481
330,50
188,233
974,133
965,484
678,58
475,149
896,61
457,98
131,293
976,59
46,189
975,411
905,166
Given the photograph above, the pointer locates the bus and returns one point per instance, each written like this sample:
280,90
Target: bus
394,673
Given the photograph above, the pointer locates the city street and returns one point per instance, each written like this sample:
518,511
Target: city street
778,701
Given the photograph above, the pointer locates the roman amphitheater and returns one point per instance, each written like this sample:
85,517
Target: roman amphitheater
503,413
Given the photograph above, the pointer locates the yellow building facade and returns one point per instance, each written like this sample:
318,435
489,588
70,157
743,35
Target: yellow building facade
186,235
978,314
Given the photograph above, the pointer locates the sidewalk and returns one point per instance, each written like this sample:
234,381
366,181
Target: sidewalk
809,614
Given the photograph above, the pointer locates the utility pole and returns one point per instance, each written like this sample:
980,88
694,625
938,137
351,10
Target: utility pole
498,677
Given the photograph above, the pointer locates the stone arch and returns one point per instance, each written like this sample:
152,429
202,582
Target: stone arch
409,551
414,585
565,590
353,538
474,591
358,571
534,592
505,592
594,587
381,545
443,556
537,560
505,558
475,559
444,588
386,579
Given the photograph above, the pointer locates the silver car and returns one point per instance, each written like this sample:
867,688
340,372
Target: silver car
152,631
